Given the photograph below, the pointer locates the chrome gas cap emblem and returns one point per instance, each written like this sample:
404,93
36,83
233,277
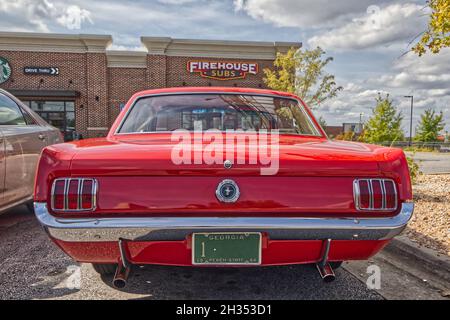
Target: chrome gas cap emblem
228,164
227,191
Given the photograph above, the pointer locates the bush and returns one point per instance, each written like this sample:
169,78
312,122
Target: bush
414,170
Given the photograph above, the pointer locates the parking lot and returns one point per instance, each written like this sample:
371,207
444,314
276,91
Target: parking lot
32,267
432,162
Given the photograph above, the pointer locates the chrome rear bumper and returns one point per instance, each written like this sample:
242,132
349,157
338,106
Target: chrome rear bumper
177,228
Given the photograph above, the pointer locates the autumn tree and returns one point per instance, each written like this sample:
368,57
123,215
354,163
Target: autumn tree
302,72
430,125
384,124
437,36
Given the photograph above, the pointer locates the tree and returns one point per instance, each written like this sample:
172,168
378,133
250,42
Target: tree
302,72
429,126
322,122
385,123
347,136
438,34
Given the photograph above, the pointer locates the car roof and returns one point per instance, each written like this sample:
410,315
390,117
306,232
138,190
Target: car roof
178,90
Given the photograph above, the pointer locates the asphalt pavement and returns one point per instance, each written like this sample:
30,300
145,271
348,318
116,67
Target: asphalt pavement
432,162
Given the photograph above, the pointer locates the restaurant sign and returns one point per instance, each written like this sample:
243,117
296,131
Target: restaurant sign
222,70
5,70
46,71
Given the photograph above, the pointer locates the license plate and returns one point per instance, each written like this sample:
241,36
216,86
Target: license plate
228,248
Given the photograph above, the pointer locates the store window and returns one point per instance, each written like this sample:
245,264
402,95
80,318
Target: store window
60,114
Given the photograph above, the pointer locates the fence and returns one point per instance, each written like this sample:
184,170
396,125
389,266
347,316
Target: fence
436,146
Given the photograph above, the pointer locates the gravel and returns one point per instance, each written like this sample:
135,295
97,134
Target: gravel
430,225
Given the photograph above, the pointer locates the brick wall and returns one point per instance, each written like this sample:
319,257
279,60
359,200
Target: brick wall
122,84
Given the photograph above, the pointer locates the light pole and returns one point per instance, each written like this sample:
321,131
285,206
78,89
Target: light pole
410,122
360,122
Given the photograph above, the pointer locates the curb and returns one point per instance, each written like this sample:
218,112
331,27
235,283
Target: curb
430,260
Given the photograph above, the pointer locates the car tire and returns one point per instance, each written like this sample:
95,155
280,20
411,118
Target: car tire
30,206
104,269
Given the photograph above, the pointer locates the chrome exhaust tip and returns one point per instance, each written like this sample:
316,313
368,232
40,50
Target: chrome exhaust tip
121,276
326,272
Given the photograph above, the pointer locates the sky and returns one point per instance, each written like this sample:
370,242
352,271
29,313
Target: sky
368,39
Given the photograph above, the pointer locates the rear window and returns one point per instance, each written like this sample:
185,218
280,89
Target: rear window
219,112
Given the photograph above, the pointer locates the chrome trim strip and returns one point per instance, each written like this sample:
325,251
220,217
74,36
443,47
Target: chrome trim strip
66,193
383,194
143,229
371,198
79,197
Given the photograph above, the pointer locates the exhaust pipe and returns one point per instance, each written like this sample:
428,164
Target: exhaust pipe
326,272
123,268
324,267
121,277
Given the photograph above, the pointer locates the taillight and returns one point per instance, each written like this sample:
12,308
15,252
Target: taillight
74,194
375,194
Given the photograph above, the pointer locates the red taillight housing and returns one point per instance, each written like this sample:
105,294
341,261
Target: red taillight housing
74,194
375,195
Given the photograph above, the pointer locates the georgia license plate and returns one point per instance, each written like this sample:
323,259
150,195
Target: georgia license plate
227,248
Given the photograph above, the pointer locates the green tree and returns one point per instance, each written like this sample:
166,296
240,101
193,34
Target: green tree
429,126
302,72
438,34
385,123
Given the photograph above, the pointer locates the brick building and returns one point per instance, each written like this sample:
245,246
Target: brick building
77,84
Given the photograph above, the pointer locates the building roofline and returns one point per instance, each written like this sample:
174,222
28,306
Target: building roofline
216,48
96,43
54,42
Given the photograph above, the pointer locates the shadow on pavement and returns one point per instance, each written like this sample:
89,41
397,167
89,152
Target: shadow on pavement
284,282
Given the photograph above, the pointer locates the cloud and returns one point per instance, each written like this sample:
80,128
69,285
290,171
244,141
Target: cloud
302,13
176,1
39,15
73,17
377,27
419,73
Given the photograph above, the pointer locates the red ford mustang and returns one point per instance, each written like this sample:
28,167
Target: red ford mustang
220,177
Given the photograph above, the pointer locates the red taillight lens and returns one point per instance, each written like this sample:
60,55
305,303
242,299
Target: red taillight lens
58,195
74,194
391,194
364,194
87,193
375,194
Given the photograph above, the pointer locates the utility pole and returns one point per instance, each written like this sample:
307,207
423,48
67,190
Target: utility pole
411,120
360,122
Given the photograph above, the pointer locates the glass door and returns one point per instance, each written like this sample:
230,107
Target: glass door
60,114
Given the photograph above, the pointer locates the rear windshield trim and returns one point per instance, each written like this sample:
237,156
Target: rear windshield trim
136,100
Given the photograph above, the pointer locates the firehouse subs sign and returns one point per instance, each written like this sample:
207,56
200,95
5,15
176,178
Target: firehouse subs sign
222,70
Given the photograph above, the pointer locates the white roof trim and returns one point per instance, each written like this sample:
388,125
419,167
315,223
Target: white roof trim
82,43
53,42
216,48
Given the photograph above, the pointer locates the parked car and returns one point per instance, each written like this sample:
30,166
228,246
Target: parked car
149,192
23,134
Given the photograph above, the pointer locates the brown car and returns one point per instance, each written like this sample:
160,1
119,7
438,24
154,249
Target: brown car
23,134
